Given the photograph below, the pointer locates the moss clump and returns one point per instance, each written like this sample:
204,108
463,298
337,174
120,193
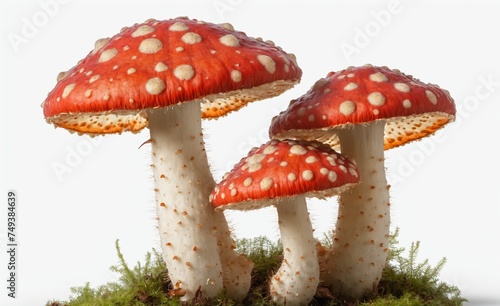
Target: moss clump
405,277
145,284
405,281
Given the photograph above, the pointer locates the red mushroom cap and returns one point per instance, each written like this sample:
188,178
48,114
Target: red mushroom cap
284,168
162,63
358,95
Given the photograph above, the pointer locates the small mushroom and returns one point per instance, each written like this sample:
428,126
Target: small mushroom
364,110
167,75
283,173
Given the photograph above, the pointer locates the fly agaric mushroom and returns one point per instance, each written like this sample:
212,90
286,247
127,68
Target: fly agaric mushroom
166,75
364,110
283,173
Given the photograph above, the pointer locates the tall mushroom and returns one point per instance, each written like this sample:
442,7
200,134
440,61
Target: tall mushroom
166,75
283,173
364,110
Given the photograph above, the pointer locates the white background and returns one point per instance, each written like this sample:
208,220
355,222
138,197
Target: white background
445,191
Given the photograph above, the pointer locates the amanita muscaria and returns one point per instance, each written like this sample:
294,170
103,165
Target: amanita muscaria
364,111
166,75
283,173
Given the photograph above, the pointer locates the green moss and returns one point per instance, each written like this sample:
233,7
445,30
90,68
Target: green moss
404,276
405,281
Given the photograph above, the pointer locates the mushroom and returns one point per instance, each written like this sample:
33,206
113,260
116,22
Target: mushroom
166,75
283,173
364,111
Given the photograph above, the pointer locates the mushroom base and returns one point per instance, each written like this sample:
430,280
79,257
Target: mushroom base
236,268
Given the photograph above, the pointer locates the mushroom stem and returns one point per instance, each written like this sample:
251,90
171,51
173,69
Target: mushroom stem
191,232
296,280
361,236
182,184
